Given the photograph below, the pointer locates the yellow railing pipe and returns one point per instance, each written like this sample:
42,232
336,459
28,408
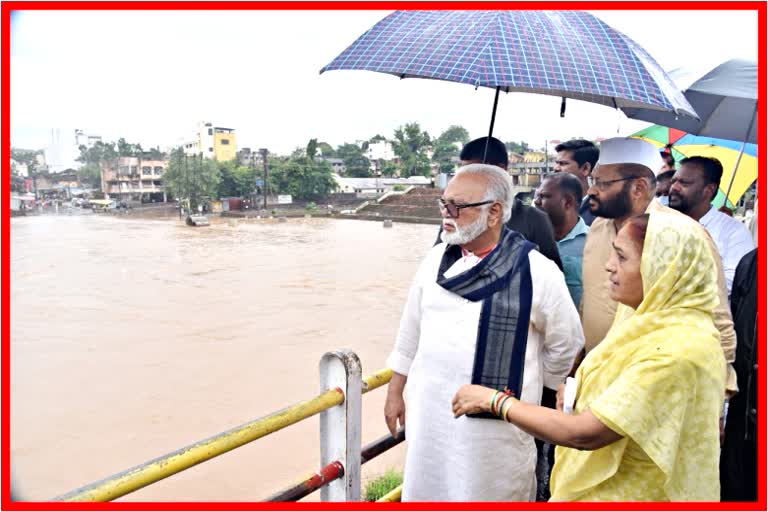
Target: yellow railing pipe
393,495
155,470
376,380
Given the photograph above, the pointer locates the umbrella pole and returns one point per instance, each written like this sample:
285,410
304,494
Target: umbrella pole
493,120
738,158
733,174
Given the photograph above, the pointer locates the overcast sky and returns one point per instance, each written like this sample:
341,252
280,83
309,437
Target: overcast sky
150,76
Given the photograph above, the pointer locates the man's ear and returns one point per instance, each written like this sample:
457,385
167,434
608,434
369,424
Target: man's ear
641,187
496,214
711,190
585,169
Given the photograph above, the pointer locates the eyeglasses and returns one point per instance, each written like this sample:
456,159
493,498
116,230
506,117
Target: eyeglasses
603,184
453,208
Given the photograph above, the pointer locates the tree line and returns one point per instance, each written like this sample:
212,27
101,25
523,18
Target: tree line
304,174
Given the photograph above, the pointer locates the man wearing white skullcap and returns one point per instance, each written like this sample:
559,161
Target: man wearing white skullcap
623,186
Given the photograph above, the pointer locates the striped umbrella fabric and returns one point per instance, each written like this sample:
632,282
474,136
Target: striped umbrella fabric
738,178
571,54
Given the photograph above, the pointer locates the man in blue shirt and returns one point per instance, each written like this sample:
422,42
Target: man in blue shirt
559,195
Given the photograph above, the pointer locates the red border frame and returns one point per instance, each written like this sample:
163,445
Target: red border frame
5,251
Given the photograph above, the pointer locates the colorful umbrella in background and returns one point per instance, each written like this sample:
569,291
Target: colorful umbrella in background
727,151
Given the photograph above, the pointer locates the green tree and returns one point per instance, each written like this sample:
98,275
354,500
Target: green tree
455,133
410,145
90,174
377,138
517,147
326,149
388,168
156,154
97,153
235,180
372,140
300,176
191,178
312,149
17,182
447,147
125,148
28,157
245,179
227,186
355,161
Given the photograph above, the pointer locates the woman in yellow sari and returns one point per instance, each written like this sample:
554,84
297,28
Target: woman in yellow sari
648,397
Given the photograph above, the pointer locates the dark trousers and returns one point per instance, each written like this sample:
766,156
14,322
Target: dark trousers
738,456
545,452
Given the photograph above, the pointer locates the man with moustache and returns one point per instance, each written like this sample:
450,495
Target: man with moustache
485,306
693,188
526,220
578,157
664,177
536,227
560,195
624,186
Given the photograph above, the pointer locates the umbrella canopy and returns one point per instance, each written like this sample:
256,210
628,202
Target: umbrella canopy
571,54
727,151
724,97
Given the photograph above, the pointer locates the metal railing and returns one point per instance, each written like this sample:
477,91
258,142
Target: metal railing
341,454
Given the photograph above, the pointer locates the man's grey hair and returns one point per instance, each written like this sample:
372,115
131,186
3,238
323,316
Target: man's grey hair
499,185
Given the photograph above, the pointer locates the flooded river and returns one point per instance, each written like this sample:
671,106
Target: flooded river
131,338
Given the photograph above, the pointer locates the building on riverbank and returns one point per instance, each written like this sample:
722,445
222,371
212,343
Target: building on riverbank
134,179
378,185
213,142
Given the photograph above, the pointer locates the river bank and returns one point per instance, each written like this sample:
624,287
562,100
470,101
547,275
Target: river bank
170,212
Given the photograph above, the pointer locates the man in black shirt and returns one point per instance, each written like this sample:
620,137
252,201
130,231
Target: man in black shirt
738,458
530,222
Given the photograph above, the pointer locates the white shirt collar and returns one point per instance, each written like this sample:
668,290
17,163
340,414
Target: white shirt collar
709,216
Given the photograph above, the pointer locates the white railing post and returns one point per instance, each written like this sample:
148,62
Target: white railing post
340,426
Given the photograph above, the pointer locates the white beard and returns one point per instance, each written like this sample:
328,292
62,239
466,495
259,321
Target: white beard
462,236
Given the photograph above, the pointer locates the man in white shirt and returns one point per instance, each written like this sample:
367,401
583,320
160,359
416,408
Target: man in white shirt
485,306
693,187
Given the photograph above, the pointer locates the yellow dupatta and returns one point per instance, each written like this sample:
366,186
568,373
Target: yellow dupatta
657,379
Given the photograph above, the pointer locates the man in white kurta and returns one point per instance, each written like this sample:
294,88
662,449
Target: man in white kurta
473,459
693,188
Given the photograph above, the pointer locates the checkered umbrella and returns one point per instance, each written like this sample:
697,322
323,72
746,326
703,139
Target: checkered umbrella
570,54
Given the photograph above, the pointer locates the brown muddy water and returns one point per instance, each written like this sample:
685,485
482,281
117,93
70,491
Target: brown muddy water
131,338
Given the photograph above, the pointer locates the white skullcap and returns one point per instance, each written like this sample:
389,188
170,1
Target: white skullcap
628,150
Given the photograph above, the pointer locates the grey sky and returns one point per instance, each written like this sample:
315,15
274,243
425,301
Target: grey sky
150,76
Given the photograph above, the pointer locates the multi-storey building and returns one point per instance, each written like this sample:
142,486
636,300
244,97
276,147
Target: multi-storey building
250,158
213,142
131,178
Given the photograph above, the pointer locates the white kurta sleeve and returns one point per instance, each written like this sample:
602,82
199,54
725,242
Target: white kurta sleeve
739,243
407,341
554,315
